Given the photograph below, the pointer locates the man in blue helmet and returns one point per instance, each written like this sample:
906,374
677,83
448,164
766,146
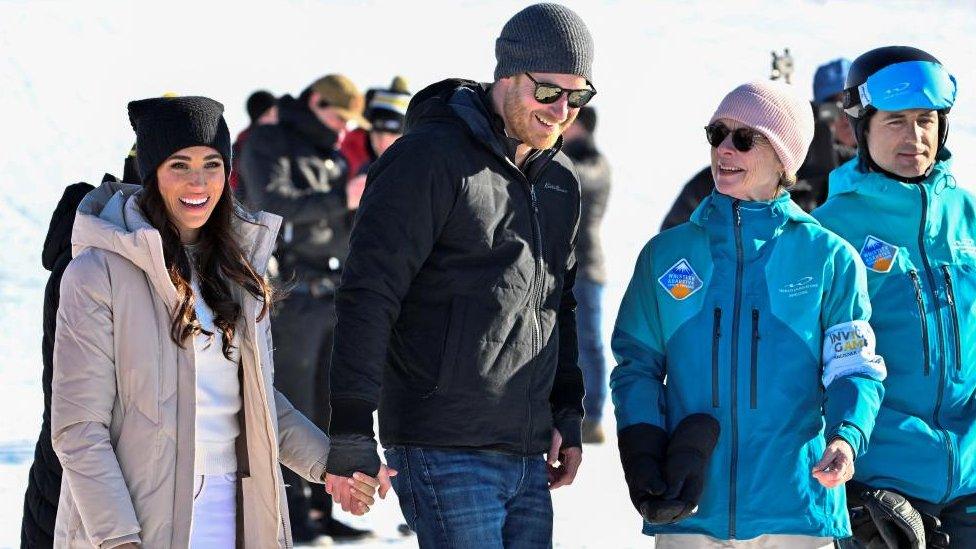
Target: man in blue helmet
898,203
828,102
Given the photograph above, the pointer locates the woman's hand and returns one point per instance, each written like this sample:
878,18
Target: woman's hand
355,494
837,464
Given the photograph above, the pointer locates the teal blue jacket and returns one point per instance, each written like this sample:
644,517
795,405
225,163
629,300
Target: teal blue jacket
753,313
919,243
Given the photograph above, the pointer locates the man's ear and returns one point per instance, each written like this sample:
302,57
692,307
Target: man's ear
313,99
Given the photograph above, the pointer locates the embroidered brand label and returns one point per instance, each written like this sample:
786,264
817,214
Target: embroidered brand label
551,187
681,280
799,287
878,255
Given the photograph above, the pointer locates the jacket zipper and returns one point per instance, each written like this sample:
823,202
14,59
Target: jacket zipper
735,360
536,307
716,338
950,462
754,366
951,297
913,274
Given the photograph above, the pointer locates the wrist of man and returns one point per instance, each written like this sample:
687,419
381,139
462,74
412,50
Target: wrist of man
350,453
570,427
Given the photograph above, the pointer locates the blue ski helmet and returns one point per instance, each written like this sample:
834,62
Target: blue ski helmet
895,78
829,80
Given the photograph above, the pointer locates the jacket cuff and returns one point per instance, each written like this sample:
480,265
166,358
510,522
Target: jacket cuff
351,453
351,416
571,429
849,434
122,540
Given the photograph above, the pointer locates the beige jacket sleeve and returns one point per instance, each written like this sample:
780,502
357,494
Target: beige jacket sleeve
302,447
83,395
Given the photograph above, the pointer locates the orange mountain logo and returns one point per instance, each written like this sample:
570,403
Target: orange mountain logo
680,281
878,255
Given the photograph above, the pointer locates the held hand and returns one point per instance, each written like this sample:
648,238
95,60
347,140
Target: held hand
568,459
837,464
355,494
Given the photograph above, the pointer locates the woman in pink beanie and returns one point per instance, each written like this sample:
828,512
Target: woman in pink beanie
757,318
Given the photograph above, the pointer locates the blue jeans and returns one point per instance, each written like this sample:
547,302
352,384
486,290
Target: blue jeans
473,499
588,319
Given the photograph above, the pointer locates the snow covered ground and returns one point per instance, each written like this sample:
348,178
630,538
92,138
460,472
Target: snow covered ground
67,70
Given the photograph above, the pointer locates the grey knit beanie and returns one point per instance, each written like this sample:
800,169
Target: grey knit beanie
544,38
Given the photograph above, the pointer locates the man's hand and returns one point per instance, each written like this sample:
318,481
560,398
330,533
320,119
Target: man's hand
837,464
569,460
354,191
355,494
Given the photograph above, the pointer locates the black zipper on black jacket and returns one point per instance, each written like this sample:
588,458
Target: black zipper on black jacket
716,339
735,361
942,371
913,274
754,359
951,296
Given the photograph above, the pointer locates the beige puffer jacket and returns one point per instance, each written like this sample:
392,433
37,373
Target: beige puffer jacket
123,401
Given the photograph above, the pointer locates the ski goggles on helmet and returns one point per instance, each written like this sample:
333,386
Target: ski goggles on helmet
743,139
548,94
901,86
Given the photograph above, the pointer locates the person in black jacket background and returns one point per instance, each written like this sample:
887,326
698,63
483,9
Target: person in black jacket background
44,479
591,274
294,169
456,313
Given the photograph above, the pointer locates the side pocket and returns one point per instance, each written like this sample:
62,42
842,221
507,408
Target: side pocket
913,275
754,360
453,334
951,298
716,339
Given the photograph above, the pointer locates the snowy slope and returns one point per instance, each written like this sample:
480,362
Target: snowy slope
67,70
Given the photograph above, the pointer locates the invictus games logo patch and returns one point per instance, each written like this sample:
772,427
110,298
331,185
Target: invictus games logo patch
878,255
681,280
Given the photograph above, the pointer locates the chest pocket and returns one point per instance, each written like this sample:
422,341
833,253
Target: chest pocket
960,294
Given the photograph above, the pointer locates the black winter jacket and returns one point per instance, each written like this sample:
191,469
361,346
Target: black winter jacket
457,293
294,170
44,479
594,177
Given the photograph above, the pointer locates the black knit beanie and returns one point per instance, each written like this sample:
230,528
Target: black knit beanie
164,125
258,103
544,38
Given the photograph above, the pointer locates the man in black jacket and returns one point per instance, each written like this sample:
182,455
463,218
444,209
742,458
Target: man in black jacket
44,480
294,169
591,274
456,313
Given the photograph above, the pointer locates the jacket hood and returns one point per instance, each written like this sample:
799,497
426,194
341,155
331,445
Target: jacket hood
110,218
58,239
431,103
851,178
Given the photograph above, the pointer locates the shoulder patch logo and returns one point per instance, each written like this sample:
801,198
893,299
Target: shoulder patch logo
681,280
878,255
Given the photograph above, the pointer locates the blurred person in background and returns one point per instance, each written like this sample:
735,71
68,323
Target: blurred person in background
744,332
594,177
832,145
295,169
898,202
163,412
261,110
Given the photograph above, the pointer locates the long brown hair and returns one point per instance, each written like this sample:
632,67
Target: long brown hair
218,261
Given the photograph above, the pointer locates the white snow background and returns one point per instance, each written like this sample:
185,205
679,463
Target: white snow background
67,70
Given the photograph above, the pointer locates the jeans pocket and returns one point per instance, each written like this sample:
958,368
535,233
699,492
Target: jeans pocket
199,482
396,458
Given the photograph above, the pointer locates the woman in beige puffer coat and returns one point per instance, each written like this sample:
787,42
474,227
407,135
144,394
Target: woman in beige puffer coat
126,387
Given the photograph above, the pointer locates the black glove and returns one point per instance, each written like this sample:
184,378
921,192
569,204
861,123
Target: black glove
689,451
883,519
935,536
642,448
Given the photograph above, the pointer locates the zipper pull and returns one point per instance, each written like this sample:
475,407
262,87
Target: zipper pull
948,281
535,200
738,216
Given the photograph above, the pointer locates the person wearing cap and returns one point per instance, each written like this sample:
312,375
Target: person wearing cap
295,169
456,314
757,319
591,276
261,110
828,96
163,413
898,203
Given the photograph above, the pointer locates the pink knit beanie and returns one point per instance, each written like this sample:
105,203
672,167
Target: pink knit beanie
775,110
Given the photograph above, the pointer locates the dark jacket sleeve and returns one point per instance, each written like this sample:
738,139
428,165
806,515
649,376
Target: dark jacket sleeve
566,397
409,195
691,195
267,174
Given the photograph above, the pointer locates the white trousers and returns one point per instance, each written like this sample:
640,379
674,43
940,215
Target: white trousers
769,541
214,512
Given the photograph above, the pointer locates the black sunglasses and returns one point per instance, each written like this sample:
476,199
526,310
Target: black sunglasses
547,94
743,139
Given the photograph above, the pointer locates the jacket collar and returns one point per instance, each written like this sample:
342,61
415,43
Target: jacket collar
852,178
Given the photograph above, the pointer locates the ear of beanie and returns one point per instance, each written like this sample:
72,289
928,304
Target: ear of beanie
775,110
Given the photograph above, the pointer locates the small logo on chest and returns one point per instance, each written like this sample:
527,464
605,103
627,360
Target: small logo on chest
550,187
878,255
799,287
680,280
